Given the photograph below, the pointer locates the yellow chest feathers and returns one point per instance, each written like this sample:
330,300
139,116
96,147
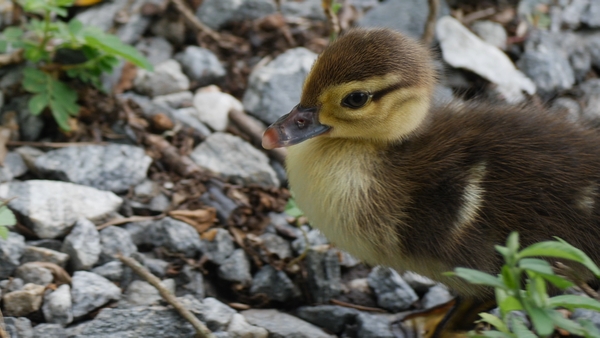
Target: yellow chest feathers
334,184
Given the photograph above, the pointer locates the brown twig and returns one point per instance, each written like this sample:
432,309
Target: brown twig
11,58
354,306
3,333
182,165
128,220
478,15
53,144
187,13
254,130
332,20
429,32
201,330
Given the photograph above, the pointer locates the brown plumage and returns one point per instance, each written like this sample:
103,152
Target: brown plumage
396,182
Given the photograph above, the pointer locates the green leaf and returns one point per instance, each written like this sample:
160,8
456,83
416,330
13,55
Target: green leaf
542,323
291,208
520,329
566,324
38,102
478,277
75,27
494,321
558,281
591,331
509,278
112,45
12,33
574,301
536,265
34,80
3,232
512,243
490,334
559,250
509,304
7,217
60,115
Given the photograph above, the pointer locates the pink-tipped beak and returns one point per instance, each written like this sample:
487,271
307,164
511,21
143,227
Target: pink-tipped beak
297,126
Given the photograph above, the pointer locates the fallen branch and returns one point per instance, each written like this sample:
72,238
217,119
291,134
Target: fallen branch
187,13
118,221
182,165
201,330
354,306
254,131
53,144
429,32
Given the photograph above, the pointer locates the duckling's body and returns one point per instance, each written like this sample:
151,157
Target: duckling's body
397,182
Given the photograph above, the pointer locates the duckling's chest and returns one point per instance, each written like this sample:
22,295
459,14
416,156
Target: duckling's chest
335,185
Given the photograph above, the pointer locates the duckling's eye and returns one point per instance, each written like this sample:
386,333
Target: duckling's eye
355,100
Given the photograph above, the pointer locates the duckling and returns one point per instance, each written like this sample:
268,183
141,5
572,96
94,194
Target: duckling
399,182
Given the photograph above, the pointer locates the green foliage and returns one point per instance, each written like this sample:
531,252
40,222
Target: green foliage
40,40
7,218
291,208
533,299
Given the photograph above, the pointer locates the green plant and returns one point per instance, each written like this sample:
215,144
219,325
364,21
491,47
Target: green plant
533,299
41,39
7,218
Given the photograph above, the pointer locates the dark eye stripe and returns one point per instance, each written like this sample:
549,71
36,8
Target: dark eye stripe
381,93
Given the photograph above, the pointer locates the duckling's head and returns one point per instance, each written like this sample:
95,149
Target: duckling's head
370,84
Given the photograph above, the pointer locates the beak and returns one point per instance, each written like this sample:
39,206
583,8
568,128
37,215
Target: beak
297,126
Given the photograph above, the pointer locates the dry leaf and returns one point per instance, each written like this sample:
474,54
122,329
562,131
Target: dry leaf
4,138
127,76
200,219
425,322
209,235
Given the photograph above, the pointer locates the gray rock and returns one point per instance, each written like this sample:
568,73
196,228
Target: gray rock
18,327
406,16
158,267
315,238
175,100
213,107
155,49
90,291
217,13
331,317
571,13
13,167
140,321
274,89
277,245
282,226
23,302
323,274
201,65
235,160
417,282
189,118
142,293
11,250
591,98
374,326
148,188
392,292
435,296
236,268
52,244
166,78
115,240
276,285
591,16
10,285
219,248
50,208
132,30
29,155
34,273
567,107
216,314
30,126
309,9
346,259
112,271
49,330
114,167
491,32
240,328
282,325
140,232
191,283
36,254
57,306
462,49
592,316
176,236
83,245
103,15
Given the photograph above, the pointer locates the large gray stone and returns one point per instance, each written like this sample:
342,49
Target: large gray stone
309,9
240,328
491,32
13,167
57,306
213,107
102,15
323,274
215,314
393,293
274,89
50,208
18,327
435,296
201,65
236,268
219,247
175,235
406,16
155,49
167,78
143,293
23,302
11,250
331,317
38,254
463,49
114,167
114,241
49,330
235,160
549,71
276,245
282,325
34,273
83,245
218,13
90,291
591,16
112,271
374,326
276,285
